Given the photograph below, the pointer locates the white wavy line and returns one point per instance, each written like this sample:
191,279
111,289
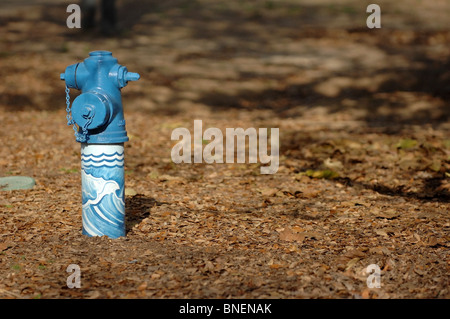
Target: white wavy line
90,229
108,188
122,203
108,157
99,212
119,163
120,211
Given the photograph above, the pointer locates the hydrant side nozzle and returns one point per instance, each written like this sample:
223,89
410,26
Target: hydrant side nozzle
70,76
75,75
131,76
120,75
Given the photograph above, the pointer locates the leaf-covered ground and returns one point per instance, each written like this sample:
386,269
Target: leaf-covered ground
364,175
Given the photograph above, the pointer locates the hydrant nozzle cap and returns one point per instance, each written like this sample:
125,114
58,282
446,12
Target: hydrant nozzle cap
131,76
62,76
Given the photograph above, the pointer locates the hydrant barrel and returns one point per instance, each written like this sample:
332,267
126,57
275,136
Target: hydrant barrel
103,190
100,127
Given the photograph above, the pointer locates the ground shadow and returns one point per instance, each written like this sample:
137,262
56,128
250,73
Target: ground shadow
431,191
137,208
251,26
431,82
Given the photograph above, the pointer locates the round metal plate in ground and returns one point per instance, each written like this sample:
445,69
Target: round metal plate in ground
16,182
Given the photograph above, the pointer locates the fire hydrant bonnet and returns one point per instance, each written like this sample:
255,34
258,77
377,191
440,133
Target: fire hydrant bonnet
98,111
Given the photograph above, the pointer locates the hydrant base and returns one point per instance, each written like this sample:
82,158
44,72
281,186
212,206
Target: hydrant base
103,189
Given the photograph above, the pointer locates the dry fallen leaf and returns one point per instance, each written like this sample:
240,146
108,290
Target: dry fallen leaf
268,192
288,235
388,213
142,286
352,263
432,241
366,293
4,246
130,191
333,165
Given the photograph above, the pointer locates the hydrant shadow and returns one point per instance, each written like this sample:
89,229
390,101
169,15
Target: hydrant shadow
137,208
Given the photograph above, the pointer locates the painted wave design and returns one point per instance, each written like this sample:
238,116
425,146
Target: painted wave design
103,205
102,156
110,160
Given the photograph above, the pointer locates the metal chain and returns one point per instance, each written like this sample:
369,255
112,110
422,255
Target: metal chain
69,118
79,137
83,137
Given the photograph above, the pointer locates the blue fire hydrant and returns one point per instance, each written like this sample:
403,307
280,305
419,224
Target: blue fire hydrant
98,120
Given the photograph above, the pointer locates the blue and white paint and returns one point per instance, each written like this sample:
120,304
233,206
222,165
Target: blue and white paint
103,189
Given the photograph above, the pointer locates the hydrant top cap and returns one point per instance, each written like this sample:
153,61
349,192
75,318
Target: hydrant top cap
100,53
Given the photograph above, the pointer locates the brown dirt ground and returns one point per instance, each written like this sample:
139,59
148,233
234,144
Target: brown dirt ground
370,105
